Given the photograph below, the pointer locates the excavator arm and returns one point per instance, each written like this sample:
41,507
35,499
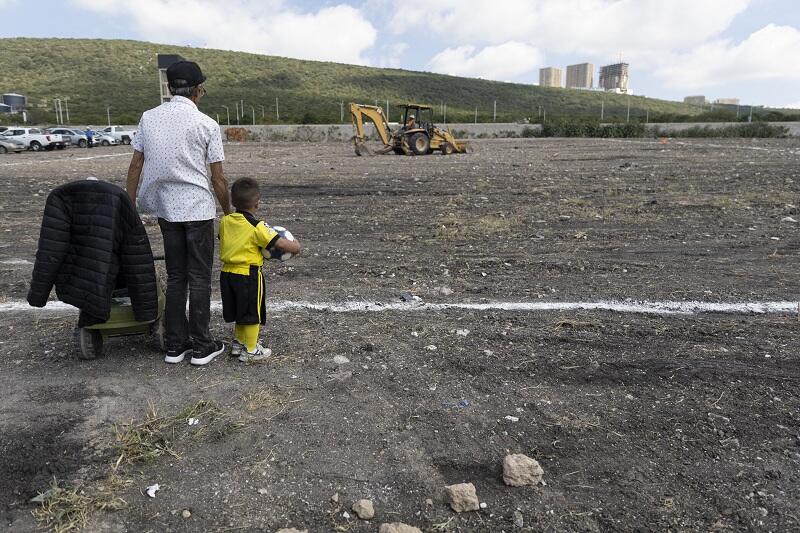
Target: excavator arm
360,112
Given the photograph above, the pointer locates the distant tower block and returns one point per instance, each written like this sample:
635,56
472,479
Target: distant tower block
728,101
15,101
164,62
614,77
550,77
695,100
580,76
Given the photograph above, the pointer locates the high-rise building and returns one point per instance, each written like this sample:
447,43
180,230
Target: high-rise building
614,77
728,101
695,100
550,77
164,62
580,76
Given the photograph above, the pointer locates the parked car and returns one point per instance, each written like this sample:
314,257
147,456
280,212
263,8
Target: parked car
123,134
3,128
11,145
35,139
71,136
101,139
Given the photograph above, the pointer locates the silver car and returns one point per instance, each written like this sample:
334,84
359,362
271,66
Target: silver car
71,136
8,144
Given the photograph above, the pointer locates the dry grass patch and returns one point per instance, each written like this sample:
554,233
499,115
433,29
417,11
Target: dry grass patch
64,509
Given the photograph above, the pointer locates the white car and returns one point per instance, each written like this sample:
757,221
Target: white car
123,134
36,139
101,139
71,136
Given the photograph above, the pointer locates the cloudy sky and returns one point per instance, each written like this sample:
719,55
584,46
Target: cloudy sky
721,48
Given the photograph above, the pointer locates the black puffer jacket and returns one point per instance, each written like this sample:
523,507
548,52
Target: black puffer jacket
92,240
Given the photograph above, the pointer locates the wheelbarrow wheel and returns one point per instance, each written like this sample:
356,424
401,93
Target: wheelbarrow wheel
158,331
90,343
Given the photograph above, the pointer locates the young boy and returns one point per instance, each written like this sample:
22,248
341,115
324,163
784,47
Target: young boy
242,238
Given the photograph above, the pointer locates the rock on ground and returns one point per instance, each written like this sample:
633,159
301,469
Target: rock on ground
463,497
519,470
364,509
398,527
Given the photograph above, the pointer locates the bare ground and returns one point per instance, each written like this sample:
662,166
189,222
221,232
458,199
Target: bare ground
640,422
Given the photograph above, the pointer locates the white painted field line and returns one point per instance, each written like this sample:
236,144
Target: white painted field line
615,306
63,159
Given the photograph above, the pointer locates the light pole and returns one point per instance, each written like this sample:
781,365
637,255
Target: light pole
108,114
66,103
277,114
262,111
253,113
228,114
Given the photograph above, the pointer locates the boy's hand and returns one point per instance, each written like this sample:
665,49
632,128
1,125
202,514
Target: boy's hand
287,246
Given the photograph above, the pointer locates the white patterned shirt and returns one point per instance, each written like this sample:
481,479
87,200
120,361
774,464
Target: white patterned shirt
177,141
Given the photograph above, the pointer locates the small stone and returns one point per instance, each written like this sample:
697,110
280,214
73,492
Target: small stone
335,498
445,291
462,497
519,470
462,332
364,509
398,527
345,515
484,505
428,502
431,347
519,520
263,491
186,513
341,360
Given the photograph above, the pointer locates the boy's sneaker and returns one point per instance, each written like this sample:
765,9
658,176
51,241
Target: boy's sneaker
237,348
203,358
258,354
176,356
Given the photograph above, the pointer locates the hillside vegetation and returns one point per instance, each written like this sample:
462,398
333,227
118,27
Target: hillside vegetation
93,74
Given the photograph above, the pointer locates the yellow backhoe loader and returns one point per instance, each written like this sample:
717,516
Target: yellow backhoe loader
417,134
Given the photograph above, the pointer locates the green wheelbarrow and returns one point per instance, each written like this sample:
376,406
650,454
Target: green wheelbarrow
121,322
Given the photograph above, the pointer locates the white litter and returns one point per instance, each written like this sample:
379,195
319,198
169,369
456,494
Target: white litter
462,332
788,219
341,360
431,347
152,489
194,421
512,418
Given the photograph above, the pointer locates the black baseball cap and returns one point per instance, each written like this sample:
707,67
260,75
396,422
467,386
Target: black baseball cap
184,74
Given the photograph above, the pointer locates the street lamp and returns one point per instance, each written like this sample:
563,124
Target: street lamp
228,114
108,114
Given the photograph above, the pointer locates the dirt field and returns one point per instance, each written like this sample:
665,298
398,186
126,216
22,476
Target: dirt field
683,422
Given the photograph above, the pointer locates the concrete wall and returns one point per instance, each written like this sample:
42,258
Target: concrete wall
344,132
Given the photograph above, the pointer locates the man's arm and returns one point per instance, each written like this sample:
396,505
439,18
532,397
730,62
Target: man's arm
220,185
134,174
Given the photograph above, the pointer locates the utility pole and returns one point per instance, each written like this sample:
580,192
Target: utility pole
445,113
750,118
237,111
341,113
737,112
476,114
262,112
494,114
544,116
66,102
228,113
647,117
55,109
277,113
387,109
242,108
628,117
108,114
602,110
253,114
217,118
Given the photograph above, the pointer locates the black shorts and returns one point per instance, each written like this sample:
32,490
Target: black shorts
243,297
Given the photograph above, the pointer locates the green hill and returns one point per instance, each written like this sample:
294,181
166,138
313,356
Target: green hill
94,74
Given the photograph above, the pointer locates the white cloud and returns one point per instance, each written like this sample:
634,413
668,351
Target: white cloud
599,28
795,105
336,33
504,61
772,52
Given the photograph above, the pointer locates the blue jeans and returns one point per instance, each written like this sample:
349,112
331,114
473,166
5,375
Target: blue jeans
189,255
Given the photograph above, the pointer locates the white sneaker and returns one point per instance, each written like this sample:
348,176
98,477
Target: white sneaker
259,354
203,358
237,348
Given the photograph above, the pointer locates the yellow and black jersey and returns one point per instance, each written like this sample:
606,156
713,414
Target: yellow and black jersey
241,240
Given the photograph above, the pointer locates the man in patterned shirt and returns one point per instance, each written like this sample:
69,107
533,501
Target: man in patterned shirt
168,178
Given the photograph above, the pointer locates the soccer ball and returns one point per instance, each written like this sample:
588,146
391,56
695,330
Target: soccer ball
277,254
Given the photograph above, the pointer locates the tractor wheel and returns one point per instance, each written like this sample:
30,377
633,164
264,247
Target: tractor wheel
447,149
90,343
419,143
